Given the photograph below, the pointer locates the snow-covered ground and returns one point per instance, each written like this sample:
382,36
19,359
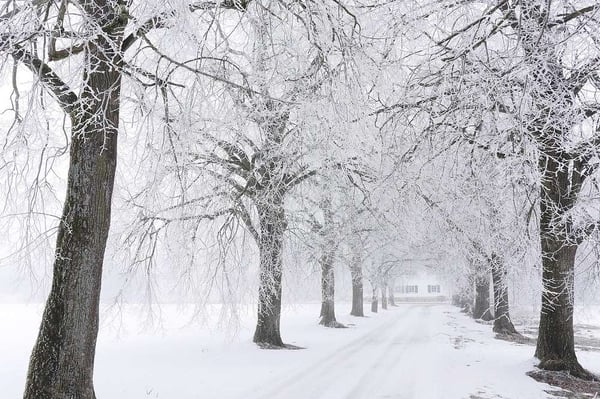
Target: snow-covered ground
410,351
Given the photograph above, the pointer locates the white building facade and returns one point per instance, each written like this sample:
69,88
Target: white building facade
420,287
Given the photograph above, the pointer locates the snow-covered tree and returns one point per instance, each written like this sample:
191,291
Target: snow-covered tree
242,153
529,68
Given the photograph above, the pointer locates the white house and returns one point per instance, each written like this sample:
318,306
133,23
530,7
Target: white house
422,286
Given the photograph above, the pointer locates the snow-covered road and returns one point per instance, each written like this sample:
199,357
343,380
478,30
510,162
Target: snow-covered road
412,351
421,351
394,360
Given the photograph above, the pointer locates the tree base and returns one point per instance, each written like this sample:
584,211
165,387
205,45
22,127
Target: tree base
506,331
572,367
332,324
504,327
357,314
268,339
575,387
516,337
485,316
266,345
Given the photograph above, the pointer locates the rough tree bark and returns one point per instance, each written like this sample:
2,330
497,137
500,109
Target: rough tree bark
556,344
384,296
357,287
563,171
463,301
62,361
391,298
327,315
272,222
374,300
481,308
502,322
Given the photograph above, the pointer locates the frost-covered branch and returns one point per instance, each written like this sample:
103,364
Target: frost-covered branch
65,97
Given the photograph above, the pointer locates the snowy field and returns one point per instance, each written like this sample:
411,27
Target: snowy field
410,351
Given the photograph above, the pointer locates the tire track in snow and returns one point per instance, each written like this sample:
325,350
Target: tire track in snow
358,368
391,364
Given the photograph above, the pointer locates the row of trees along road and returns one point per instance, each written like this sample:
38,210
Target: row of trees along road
328,120
518,79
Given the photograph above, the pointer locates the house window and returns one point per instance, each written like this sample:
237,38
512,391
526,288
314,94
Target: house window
410,289
433,289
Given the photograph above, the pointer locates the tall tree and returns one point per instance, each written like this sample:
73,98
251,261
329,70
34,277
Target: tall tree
562,175
89,93
530,52
483,248
357,280
245,164
481,277
342,220
62,361
502,322
328,248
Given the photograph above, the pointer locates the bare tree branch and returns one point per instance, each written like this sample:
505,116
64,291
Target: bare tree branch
66,98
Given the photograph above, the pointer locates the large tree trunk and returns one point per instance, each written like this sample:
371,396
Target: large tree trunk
481,309
384,296
556,344
357,288
502,322
562,175
327,316
464,298
391,298
374,300
272,226
62,361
